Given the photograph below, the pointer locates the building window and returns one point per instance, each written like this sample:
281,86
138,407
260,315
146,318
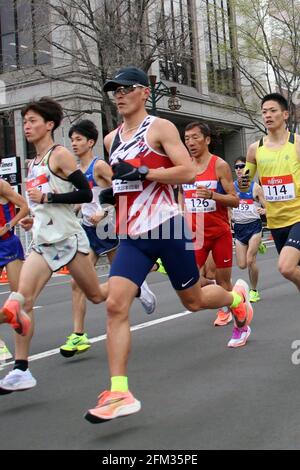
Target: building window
176,53
7,136
21,44
219,44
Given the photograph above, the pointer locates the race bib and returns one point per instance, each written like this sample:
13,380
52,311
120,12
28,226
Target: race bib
120,186
246,206
278,188
197,204
40,183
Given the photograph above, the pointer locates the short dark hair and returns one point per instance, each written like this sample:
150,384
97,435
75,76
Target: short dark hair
240,159
49,109
204,128
86,128
278,98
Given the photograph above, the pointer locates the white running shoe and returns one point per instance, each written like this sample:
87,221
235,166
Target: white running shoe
147,298
16,381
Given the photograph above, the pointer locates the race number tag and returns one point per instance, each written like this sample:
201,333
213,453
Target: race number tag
120,186
196,204
40,183
246,206
278,188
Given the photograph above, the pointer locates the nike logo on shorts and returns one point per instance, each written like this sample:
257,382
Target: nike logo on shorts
227,260
186,283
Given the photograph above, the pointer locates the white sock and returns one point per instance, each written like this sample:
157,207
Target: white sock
17,296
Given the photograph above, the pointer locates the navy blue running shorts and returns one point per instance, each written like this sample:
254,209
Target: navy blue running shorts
10,250
286,236
243,232
100,246
171,242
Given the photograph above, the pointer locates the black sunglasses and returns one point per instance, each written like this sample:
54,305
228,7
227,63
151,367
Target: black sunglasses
239,166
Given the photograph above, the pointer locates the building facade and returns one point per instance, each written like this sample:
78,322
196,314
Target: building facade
203,72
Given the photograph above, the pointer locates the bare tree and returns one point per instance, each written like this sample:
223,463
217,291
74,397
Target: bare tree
91,39
267,53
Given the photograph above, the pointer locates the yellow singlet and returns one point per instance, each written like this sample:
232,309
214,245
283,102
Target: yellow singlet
279,174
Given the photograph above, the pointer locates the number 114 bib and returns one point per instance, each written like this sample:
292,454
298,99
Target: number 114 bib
278,188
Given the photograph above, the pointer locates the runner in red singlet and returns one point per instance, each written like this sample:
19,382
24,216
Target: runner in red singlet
206,202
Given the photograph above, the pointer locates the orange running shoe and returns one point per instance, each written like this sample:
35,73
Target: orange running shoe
243,314
113,405
16,318
223,318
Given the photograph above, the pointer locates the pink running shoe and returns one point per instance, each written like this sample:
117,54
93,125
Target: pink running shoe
243,313
113,405
239,337
223,318
16,318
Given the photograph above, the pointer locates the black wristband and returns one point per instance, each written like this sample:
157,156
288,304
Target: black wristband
43,198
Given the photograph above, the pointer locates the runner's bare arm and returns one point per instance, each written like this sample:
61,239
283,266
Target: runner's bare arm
259,196
108,140
251,154
62,162
230,199
164,135
7,192
103,173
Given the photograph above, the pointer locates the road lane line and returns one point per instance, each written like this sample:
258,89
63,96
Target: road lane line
53,352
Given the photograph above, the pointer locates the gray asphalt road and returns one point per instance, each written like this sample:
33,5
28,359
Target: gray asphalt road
195,392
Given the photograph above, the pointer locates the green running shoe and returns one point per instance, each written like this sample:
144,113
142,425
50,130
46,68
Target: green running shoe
254,296
262,249
75,345
161,268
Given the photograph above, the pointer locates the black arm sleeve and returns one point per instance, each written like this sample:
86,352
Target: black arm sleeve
83,193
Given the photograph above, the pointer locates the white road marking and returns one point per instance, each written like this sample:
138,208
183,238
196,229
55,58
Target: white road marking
53,352
141,326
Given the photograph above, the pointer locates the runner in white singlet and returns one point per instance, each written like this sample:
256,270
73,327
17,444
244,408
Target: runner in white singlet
248,226
58,238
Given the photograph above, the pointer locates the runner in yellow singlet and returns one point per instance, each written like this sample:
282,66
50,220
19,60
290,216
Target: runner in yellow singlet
276,158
